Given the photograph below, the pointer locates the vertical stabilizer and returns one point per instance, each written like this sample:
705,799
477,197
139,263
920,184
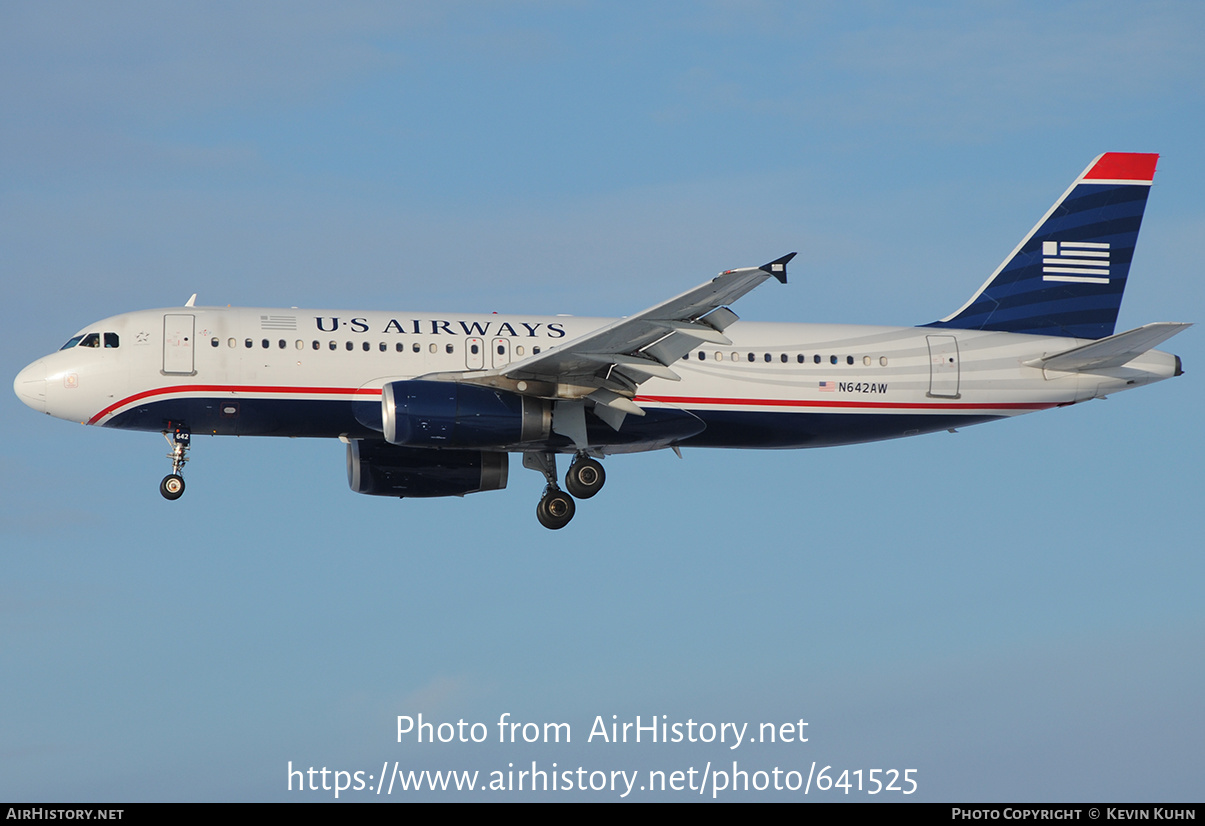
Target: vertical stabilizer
1066,278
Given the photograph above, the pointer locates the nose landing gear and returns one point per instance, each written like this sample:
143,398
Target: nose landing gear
172,486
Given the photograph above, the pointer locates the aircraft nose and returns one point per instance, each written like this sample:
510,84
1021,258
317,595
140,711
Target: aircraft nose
30,386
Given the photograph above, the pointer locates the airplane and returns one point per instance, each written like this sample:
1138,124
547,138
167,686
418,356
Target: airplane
433,404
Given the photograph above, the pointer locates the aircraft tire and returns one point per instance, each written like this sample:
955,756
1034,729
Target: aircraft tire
172,486
585,478
555,509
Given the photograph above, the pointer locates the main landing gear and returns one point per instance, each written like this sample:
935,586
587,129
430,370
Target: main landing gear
584,478
172,486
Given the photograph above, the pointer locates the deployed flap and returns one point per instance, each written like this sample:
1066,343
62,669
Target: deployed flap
569,420
631,350
1113,351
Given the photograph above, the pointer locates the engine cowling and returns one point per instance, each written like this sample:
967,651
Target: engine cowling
448,414
380,469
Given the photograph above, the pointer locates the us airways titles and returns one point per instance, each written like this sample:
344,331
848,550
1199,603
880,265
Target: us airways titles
438,326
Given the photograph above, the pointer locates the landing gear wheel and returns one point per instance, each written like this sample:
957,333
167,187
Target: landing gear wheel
172,486
555,509
585,477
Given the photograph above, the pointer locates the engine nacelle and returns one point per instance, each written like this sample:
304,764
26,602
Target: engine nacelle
381,469
448,414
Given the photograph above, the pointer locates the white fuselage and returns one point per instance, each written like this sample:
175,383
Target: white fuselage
290,372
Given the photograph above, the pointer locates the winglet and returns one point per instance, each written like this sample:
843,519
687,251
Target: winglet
778,267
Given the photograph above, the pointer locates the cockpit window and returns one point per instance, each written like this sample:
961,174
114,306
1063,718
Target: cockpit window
71,343
111,340
91,340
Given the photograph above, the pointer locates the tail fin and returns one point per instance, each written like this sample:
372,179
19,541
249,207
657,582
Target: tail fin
1067,276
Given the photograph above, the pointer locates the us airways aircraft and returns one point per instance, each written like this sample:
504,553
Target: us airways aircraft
432,405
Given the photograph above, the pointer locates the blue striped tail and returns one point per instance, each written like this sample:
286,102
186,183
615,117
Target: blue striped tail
1066,278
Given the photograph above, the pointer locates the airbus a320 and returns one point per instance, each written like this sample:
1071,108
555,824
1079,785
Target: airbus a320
434,404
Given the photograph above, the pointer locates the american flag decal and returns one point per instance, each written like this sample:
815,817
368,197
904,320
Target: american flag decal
1083,262
277,322
828,386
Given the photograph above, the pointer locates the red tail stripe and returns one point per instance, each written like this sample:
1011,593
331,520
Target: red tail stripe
1123,166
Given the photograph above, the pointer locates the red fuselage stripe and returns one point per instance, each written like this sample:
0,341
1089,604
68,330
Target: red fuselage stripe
694,400
242,390
250,390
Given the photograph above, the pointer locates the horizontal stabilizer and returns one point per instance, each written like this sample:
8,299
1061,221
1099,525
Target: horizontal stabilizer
1113,351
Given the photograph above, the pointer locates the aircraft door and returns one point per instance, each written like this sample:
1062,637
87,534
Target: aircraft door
178,338
474,354
943,366
500,347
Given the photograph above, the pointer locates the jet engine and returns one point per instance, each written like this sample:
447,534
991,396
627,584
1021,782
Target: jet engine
448,414
381,469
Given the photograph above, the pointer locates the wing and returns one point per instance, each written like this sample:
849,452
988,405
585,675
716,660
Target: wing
608,364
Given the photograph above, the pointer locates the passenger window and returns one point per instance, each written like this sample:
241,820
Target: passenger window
535,351
232,342
383,347
474,349
883,360
849,359
434,348
316,344
334,346
247,344
300,344
213,341
112,342
816,358
350,346
449,349
518,350
768,358
801,358
417,347
282,344
367,347
866,360
832,359
266,344
401,348
752,357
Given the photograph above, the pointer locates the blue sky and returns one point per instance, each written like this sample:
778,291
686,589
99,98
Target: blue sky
1014,610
